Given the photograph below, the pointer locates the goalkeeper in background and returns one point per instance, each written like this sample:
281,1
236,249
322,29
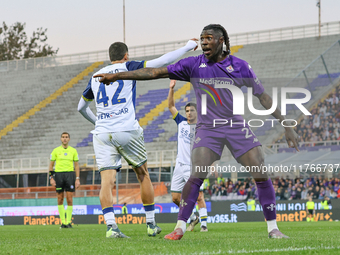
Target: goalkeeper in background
65,177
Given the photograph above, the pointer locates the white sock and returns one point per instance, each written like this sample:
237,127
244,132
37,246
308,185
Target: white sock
181,224
150,216
110,219
203,213
271,224
192,216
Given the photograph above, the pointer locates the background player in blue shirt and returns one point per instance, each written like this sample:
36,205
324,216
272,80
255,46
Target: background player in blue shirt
185,138
217,65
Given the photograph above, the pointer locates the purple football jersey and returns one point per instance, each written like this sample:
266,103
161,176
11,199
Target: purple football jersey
207,78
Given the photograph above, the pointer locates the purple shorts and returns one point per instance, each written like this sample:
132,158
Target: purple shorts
239,139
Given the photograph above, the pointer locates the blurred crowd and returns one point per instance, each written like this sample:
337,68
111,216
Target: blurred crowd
324,123
285,189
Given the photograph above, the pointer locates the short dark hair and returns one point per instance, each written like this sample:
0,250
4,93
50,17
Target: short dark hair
117,51
219,28
65,133
190,104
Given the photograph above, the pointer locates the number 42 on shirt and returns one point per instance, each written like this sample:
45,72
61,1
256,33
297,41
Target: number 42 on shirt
103,98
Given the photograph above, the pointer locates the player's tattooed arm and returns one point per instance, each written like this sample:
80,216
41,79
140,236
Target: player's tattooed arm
140,74
291,135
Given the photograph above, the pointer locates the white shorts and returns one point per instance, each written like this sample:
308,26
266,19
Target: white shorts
180,177
110,147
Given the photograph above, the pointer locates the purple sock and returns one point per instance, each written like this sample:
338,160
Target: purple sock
267,199
189,197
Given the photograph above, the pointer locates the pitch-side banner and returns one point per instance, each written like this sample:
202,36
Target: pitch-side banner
292,210
39,210
221,212
87,209
139,209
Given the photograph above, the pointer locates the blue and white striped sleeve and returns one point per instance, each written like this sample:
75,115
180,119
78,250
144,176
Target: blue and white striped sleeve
179,118
88,93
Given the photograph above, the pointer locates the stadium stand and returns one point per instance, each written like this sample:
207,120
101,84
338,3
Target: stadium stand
285,188
284,59
323,124
22,90
47,100
52,118
47,116
275,63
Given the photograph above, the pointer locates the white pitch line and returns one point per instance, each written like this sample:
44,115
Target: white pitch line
306,248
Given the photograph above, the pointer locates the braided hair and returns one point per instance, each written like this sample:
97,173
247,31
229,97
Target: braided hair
219,28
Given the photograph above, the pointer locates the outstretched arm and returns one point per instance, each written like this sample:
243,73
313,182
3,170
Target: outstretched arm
291,135
170,57
140,74
171,101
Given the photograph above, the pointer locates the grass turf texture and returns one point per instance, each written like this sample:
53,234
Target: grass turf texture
237,238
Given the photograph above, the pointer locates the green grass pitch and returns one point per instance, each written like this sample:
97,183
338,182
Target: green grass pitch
238,238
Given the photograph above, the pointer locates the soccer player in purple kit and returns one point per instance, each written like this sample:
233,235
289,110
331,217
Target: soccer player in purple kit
207,71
